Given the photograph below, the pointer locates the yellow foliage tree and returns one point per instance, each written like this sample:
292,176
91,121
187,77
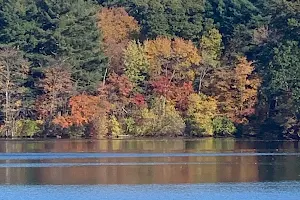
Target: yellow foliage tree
201,111
172,58
147,120
246,85
136,63
114,127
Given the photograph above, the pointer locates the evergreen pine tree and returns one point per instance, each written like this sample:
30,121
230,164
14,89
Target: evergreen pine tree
79,41
49,29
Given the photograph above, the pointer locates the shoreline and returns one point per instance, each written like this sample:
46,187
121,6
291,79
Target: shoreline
128,137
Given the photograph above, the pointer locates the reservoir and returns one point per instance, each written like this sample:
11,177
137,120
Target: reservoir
149,169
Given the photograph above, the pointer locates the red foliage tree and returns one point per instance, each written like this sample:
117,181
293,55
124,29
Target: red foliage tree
177,93
118,90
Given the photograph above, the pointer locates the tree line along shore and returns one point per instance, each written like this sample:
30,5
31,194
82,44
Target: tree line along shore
150,68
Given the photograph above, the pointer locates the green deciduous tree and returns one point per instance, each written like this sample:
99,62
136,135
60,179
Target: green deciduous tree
210,46
161,119
136,63
223,126
283,88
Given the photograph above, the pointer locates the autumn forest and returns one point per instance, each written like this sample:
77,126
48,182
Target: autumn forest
150,68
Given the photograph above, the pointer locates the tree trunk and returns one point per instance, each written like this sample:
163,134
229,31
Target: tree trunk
201,78
7,103
104,77
6,111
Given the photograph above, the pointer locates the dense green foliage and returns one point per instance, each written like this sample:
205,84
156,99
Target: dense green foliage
48,29
151,67
223,126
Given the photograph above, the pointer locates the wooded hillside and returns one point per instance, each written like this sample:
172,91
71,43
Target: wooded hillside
150,68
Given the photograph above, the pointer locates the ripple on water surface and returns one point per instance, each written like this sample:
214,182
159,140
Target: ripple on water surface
232,191
149,163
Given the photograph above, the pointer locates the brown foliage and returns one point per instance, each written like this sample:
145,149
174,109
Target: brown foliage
118,90
236,90
116,25
117,28
116,87
57,87
13,74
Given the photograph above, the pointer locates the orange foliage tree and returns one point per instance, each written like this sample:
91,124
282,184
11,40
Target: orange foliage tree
117,28
236,90
84,109
171,68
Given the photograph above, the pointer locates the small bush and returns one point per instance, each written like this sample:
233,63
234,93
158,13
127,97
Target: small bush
171,123
223,126
146,122
114,127
161,119
27,127
130,125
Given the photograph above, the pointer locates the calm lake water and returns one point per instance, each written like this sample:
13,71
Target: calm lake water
149,169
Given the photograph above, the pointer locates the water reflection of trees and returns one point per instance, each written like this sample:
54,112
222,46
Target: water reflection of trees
183,170
210,169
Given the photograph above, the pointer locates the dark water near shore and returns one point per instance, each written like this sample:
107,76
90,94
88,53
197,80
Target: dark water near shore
149,169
